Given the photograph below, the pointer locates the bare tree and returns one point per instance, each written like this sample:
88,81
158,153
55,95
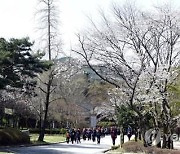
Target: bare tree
48,17
132,44
112,46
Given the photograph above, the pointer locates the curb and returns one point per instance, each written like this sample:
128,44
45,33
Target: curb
110,149
106,150
28,145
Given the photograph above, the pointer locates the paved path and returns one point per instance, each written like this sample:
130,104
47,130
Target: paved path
86,147
177,145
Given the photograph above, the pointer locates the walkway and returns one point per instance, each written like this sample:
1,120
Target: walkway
86,147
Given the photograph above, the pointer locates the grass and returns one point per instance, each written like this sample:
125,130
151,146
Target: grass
137,147
6,152
47,139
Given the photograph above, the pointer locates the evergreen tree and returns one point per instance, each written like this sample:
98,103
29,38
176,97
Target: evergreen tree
17,65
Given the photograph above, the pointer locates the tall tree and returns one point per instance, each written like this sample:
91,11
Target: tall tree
132,47
48,17
17,64
18,68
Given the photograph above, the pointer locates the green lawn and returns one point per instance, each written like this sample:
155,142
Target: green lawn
48,138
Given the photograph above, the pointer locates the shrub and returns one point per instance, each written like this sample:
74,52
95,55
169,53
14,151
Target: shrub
105,124
47,131
11,136
34,130
63,131
133,146
136,147
154,150
52,131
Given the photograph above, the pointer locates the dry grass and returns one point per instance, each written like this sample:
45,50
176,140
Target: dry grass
137,147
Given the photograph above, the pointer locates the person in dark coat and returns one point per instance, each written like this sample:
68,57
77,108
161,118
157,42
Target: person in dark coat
102,132
94,135
129,132
84,133
98,135
78,136
89,132
113,133
73,135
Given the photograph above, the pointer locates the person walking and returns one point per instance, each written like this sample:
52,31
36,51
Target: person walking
78,136
89,132
113,133
98,135
102,132
129,132
67,136
94,135
73,135
84,133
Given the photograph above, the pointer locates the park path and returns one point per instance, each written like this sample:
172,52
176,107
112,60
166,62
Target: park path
85,147
177,145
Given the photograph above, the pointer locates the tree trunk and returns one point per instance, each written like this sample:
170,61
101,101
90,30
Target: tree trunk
143,137
139,134
167,142
122,137
136,134
164,145
42,131
166,117
142,131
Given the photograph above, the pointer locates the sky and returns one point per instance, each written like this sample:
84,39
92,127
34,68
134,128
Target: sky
17,17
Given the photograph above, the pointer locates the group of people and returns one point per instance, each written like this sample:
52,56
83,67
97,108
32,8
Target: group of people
95,134
74,135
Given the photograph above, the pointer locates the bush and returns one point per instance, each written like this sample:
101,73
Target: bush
136,147
34,130
105,124
47,131
63,131
11,136
154,150
52,131
133,146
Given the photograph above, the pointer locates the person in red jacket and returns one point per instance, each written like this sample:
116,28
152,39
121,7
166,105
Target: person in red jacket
113,133
67,136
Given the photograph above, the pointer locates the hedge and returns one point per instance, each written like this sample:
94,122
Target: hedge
11,136
49,131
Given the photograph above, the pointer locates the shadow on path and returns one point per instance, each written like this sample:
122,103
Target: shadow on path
62,148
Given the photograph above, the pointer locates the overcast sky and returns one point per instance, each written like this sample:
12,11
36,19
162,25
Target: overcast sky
17,16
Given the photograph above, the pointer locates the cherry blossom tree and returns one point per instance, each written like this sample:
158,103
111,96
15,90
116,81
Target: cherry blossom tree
138,53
